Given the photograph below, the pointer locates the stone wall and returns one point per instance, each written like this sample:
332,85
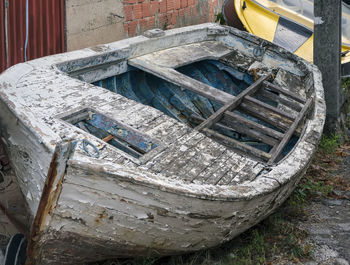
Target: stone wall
93,22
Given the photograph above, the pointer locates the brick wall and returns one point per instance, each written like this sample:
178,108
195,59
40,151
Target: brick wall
141,15
93,22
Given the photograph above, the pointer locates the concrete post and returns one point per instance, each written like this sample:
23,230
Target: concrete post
327,49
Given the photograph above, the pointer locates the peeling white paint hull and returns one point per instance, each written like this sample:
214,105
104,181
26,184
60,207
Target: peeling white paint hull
86,208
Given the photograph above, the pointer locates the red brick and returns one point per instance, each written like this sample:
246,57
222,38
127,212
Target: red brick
162,20
174,17
190,2
132,28
140,1
168,17
137,11
150,23
143,23
194,10
128,13
169,5
188,11
183,3
181,13
162,6
211,13
132,1
154,8
177,4
146,8
126,28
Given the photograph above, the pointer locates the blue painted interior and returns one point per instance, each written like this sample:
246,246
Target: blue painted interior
125,139
183,104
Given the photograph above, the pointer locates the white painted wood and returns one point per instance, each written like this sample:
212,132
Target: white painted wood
122,206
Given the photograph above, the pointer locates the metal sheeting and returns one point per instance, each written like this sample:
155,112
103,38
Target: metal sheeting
45,30
2,37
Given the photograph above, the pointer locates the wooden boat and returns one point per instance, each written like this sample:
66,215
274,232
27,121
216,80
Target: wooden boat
287,23
161,144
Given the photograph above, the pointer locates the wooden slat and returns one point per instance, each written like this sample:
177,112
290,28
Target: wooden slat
290,132
238,145
232,104
284,92
271,118
199,120
284,101
254,125
76,118
131,150
236,127
250,99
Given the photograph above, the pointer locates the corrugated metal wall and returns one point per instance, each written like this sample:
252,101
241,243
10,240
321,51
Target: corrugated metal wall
2,37
45,29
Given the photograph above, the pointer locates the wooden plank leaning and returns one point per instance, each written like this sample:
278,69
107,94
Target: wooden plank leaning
232,103
238,145
285,92
277,151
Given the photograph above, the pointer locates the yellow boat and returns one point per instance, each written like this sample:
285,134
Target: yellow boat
287,23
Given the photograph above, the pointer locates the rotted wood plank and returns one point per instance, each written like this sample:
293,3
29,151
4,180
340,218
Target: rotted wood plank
136,153
236,171
261,104
254,125
204,160
199,119
236,127
75,118
287,93
284,101
248,173
219,169
238,145
267,116
290,132
232,104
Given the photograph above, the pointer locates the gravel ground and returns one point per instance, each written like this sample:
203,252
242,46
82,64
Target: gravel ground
328,224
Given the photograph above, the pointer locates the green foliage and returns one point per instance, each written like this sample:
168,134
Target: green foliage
330,143
345,82
219,18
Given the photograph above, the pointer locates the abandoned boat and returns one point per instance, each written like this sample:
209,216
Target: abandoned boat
287,23
160,144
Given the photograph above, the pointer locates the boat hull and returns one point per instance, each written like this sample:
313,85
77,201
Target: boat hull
185,191
121,219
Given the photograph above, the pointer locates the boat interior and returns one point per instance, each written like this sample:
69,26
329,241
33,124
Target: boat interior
235,107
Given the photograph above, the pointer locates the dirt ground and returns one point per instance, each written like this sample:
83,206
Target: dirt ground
328,222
